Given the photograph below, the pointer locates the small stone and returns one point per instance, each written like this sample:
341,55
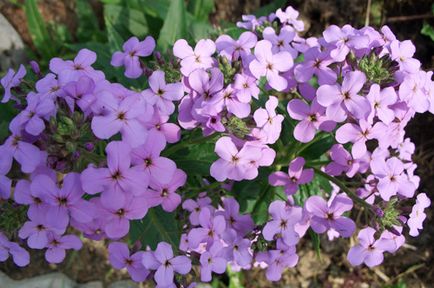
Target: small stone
124,284
93,284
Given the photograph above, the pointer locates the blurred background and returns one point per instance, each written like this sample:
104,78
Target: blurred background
40,30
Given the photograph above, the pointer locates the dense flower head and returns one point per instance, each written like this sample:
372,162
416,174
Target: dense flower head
227,155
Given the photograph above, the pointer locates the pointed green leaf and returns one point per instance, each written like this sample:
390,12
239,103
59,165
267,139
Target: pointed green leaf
175,25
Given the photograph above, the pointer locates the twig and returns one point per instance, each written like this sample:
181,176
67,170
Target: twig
368,13
408,18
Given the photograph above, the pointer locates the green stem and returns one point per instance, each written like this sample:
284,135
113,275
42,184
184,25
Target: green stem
183,144
344,188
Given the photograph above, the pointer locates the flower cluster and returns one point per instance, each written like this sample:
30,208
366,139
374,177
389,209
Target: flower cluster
87,156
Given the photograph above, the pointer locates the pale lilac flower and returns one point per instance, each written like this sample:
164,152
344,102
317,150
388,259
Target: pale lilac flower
19,255
147,158
283,223
326,216
411,91
72,70
233,163
124,116
289,16
356,134
49,87
195,207
393,240
315,62
341,162
369,250
80,92
380,102
242,224
417,215
336,97
162,95
206,85
270,65
211,227
212,261
278,261
245,88
238,249
402,52
166,264
118,176
5,187
119,210
227,98
159,124
57,245
119,256
281,42
296,175
165,194
31,119
268,121
12,80
392,178
234,49
133,49
311,119
344,39
200,57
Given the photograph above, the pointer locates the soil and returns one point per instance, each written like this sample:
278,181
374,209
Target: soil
413,264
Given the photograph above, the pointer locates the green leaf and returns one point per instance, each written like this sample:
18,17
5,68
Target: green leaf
88,27
157,226
428,30
196,159
38,30
175,25
201,9
318,148
127,21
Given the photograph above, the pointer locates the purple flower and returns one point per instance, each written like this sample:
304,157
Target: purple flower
159,124
200,57
234,220
195,207
72,70
147,158
32,117
337,97
234,164
392,179
289,16
49,87
270,65
118,175
207,87
166,264
342,162
227,98
119,210
234,49
212,226
245,88
119,256
27,155
284,219
380,102
12,80
124,116
296,175
212,261
402,52
281,42
343,40
133,49
19,255
356,134
369,250
58,244
80,92
311,119
37,230
238,249
411,91
278,261
316,63
417,215
5,187
268,121
165,194
162,95
326,216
